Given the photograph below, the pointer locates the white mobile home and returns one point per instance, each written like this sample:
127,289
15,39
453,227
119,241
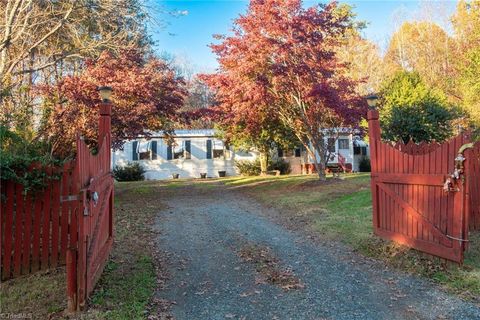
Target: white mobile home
193,152
198,151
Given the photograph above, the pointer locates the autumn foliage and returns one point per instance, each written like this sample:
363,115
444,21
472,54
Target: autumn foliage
146,95
280,64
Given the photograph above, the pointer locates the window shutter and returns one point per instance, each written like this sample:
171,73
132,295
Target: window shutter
280,152
209,149
154,149
134,150
188,148
169,152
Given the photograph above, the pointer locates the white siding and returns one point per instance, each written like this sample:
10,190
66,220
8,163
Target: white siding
162,168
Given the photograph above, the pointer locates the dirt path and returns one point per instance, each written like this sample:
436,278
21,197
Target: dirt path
207,234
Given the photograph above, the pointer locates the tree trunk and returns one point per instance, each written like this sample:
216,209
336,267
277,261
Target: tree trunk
320,165
263,162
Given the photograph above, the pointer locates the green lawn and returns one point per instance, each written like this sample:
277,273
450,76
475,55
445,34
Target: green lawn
40,295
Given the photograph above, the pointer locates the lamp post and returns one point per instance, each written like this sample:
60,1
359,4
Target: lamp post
372,117
372,100
105,93
373,125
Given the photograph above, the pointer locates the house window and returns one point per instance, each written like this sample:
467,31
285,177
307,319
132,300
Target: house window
331,144
359,147
298,152
178,150
218,149
343,144
142,150
360,151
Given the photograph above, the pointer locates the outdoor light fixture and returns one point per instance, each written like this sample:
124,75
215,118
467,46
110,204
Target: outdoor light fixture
372,100
105,93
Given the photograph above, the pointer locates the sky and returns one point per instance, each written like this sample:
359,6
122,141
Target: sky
188,32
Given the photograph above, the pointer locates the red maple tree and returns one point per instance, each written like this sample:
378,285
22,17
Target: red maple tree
146,97
282,58
244,115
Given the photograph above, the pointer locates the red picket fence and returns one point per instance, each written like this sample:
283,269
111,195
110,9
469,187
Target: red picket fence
410,203
37,226
69,222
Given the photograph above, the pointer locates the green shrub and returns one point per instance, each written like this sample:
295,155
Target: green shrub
18,154
248,168
364,165
130,172
252,168
280,165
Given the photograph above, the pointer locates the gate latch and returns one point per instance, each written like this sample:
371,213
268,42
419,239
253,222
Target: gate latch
95,197
451,184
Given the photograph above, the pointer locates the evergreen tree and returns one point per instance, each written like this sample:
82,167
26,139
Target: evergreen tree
410,110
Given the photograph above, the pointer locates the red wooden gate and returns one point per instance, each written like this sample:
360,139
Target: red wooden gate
70,221
85,262
410,205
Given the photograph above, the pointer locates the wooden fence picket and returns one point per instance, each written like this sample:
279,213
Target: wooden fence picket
27,235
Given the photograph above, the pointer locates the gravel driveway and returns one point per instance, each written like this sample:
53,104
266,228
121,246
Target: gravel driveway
204,231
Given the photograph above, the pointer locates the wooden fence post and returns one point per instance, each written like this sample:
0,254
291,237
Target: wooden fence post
373,125
105,127
374,137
